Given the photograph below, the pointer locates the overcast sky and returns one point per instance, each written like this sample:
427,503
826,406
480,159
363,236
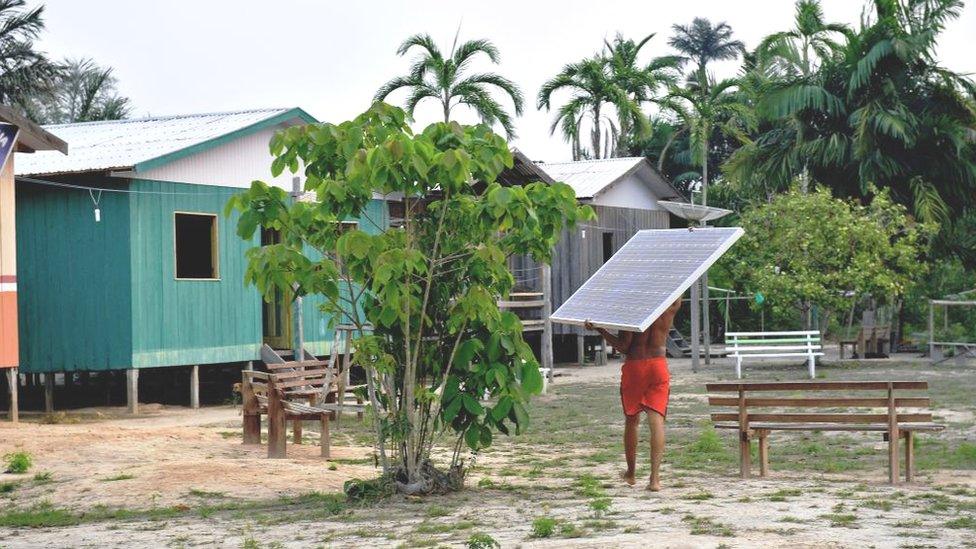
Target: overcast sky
329,57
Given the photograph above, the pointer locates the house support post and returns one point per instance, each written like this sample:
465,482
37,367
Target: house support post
695,325
49,392
581,347
132,390
546,346
195,386
13,380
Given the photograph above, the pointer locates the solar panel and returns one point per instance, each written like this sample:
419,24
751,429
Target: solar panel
645,276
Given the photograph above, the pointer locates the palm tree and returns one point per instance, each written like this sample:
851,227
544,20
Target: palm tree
84,92
25,73
440,77
640,82
701,42
800,51
879,112
610,83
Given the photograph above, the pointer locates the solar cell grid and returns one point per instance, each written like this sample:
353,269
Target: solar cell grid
645,276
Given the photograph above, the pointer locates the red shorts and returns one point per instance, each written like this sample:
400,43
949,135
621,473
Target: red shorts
645,384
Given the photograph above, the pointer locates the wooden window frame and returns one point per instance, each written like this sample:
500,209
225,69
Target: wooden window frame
214,249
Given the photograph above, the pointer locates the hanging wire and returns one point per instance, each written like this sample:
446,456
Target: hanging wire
123,191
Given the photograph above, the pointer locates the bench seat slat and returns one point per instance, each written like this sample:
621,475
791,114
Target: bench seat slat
879,402
301,373
832,426
824,418
773,355
771,341
757,348
813,333
315,382
734,386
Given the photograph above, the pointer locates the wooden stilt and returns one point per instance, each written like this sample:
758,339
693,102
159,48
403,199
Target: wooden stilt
132,390
296,427
49,392
325,442
13,380
581,349
546,345
195,386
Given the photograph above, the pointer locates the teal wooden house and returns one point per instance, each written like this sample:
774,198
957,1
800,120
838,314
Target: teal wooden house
126,260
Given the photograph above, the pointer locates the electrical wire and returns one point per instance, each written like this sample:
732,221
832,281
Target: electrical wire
101,189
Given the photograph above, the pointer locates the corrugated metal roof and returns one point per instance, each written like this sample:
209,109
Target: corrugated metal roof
589,177
122,144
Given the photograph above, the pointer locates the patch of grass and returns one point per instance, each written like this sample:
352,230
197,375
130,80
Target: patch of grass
880,504
207,494
589,486
781,495
435,511
42,477
59,418
120,476
333,467
632,530
543,527
791,519
967,522
570,530
706,526
480,540
40,515
443,527
18,463
700,496
600,505
8,487
841,520
600,524
708,449
908,524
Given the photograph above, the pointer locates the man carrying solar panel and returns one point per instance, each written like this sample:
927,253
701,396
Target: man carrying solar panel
645,385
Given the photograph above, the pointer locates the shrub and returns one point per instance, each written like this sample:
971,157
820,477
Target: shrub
482,541
18,463
543,527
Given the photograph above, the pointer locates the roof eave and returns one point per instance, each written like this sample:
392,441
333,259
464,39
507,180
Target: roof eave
158,161
32,137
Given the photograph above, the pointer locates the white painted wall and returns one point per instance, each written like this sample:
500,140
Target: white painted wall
630,192
232,164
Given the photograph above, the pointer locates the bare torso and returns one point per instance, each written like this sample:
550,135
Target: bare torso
649,343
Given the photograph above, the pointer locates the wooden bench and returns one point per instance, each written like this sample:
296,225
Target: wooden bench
297,392
752,418
806,343
870,339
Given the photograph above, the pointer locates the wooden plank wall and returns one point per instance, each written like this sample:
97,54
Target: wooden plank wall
577,257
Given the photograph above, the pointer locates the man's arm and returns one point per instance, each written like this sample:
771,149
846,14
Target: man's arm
621,341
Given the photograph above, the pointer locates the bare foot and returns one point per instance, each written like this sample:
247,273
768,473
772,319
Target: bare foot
654,486
628,478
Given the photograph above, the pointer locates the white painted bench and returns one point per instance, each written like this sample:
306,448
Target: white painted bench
805,343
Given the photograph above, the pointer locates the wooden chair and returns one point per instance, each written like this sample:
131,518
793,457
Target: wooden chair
861,396
741,345
870,339
292,391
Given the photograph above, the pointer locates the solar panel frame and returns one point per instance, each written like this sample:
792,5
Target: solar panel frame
601,283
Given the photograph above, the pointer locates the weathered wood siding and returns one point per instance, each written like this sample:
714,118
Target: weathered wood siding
74,278
579,252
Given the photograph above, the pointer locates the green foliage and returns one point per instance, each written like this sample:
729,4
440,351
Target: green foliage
479,540
543,527
805,249
18,462
423,296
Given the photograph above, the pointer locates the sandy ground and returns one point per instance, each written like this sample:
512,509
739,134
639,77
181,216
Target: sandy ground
176,456
168,452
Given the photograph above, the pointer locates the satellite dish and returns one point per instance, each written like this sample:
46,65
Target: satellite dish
693,212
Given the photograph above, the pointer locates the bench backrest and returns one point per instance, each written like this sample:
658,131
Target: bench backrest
772,343
291,379
852,403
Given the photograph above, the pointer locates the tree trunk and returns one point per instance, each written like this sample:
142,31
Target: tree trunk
595,135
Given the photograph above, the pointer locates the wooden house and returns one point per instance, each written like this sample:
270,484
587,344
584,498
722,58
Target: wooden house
127,261
624,193
21,135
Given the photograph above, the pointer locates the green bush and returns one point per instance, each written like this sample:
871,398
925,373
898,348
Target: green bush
543,527
482,541
18,463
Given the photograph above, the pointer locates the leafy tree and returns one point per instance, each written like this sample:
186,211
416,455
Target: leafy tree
800,50
83,92
612,82
811,249
25,73
434,75
423,296
878,111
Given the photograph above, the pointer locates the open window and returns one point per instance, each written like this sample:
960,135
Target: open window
195,243
607,246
